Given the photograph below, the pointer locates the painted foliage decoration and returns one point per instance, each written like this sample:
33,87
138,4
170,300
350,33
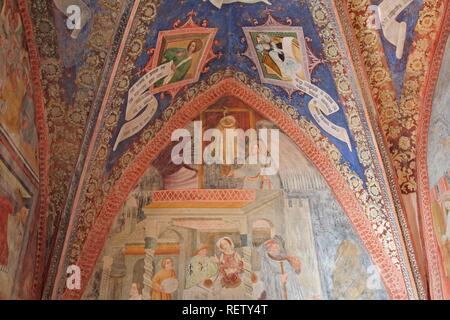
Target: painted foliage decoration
439,170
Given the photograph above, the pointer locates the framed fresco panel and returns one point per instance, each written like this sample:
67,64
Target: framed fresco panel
189,48
279,53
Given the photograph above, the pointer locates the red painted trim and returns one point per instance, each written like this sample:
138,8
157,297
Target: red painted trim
392,276
423,192
222,195
43,146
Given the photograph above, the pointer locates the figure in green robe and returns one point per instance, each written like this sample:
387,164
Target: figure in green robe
182,61
201,268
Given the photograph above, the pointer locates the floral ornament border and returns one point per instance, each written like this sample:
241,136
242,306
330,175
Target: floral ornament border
66,125
142,18
399,121
384,94
423,193
362,57
65,217
417,73
380,199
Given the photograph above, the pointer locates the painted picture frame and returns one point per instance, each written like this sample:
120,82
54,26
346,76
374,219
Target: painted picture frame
189,47
278,52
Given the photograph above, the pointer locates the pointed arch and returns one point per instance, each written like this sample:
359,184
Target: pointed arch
43,147
392,277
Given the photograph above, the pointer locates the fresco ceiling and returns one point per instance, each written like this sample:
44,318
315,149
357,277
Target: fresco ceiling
362,147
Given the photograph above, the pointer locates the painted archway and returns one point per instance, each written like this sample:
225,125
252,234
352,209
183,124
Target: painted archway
392,276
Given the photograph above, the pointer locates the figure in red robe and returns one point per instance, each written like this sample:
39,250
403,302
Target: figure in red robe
5,210
230,264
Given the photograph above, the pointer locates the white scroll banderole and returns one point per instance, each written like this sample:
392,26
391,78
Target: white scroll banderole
323,105
394,31
141,98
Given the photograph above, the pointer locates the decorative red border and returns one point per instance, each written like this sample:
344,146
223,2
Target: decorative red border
43,147
423,190
392,277
223,195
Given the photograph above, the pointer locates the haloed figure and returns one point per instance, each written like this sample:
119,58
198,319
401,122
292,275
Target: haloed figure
230,268
182,61
279,271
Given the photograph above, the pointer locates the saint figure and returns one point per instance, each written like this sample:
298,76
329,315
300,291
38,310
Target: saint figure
182,61
230,263
279,271
230,268
281,56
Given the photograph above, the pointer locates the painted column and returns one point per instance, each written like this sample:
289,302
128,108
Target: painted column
149,271
247,259
104,284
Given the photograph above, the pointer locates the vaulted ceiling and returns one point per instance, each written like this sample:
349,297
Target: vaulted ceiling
374,166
